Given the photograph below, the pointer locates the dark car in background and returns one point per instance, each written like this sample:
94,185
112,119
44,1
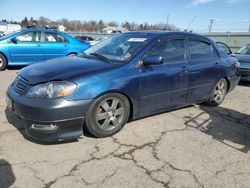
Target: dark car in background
243,55
31,45
84,38
125,77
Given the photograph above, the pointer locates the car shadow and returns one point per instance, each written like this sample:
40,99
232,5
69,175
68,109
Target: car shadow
7,177
227,126
19,125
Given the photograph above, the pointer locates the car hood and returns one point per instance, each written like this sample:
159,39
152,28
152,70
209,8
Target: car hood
241,57
63,68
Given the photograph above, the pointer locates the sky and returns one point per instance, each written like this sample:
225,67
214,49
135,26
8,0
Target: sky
228,15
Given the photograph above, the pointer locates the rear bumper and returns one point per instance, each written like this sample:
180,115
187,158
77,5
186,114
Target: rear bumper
49,120
234,80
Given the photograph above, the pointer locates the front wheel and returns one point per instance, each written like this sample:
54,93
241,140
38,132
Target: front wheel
107,115
218,94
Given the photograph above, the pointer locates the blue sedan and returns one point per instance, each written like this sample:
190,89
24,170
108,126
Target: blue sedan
128,76
32,45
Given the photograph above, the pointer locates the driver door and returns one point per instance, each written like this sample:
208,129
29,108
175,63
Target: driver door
165,86
27,48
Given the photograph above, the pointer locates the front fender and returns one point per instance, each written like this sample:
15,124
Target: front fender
92,87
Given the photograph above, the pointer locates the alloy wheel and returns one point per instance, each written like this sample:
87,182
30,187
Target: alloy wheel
110,113
220,91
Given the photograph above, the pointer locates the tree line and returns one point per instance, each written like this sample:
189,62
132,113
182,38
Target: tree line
92,25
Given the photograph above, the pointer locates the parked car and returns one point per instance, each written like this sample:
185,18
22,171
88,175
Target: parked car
243,55
32,45
84,38
128,76
90,40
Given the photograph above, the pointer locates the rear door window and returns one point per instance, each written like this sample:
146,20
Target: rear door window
201,50
53,37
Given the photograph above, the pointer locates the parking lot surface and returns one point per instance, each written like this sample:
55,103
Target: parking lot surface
196,146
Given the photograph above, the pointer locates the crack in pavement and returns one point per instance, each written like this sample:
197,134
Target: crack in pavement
122,156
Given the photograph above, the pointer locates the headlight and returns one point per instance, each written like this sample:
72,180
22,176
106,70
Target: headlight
52,89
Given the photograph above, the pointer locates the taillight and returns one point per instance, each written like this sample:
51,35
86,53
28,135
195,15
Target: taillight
237,64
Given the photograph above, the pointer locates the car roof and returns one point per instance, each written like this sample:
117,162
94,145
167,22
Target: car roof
39,29
168,33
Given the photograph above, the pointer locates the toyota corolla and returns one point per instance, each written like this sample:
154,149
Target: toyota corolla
128,76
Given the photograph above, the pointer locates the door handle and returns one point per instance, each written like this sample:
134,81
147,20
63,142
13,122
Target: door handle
184,70
38,45
217,65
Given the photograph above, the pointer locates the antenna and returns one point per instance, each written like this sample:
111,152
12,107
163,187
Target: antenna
191,22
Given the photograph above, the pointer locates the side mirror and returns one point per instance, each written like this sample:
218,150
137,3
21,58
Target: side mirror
14,40
153,60
225,47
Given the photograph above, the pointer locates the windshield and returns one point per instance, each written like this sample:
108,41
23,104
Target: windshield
120,48
9,35
244,50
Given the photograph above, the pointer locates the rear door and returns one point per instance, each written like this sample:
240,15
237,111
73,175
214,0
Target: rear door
165,86
27,49
54,45
205,68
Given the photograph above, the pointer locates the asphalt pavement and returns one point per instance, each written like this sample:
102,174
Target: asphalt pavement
196,146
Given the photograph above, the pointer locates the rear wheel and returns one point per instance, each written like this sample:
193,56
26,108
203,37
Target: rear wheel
107,115
218,94
3,62
72,54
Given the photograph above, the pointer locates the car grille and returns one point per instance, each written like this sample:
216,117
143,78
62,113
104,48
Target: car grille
20,84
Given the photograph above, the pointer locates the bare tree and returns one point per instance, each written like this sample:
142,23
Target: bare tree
95,26
24,22
112,24
43,21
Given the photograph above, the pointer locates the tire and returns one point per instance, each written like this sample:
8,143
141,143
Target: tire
107,115
218,94
3,62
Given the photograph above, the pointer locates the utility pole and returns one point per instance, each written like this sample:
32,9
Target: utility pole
167,22
211,25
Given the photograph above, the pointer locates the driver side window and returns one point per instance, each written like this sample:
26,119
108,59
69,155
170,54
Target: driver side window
172,51
25,37
32,36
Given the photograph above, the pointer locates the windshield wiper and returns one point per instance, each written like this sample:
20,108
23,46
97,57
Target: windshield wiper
102,57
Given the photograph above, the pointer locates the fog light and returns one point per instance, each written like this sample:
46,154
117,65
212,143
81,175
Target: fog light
46,128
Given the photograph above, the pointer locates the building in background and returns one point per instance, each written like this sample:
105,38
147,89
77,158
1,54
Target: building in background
61,28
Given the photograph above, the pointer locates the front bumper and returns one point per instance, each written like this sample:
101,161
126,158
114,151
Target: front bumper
63,119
